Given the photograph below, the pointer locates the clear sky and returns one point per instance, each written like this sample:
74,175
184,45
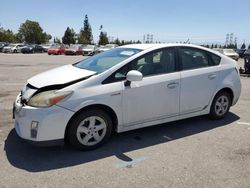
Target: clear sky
201,21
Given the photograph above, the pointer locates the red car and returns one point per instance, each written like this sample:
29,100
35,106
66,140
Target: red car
74,50
57,50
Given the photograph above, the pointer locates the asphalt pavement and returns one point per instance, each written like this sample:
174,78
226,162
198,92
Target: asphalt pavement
196,152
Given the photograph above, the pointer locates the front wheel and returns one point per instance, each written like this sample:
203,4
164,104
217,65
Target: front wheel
89,129
220,106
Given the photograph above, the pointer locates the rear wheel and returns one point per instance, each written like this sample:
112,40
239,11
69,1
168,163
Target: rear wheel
220,106
89,129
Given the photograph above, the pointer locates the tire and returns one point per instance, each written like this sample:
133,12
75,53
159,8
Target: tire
89,129
220,105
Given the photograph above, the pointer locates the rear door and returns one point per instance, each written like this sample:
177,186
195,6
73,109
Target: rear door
199,77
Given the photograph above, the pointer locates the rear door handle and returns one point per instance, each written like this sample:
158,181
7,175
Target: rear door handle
172,85
211,76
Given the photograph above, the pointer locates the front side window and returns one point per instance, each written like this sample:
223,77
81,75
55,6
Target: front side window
158,62
153,63
192,58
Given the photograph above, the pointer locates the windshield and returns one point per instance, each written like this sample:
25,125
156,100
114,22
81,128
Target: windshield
103,61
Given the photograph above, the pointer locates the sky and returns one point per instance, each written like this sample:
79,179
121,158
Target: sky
200,21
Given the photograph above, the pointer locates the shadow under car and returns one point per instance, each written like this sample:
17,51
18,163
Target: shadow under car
36,159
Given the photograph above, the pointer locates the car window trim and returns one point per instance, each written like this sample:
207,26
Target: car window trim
210,61
177,66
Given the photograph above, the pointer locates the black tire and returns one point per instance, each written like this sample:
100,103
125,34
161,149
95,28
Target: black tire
72,134
214,111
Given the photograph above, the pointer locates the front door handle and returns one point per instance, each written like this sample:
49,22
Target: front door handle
211,76
172,85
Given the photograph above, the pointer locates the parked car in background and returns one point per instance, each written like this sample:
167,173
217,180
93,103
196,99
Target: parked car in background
106,47
47,46
12,48
57,50
89,50
32,49
230,53
2,45
247,53
125,88
74,50
240,52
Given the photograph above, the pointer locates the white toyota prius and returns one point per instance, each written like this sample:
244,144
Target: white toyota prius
125,88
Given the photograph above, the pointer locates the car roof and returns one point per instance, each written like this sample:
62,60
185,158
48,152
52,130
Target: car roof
156,46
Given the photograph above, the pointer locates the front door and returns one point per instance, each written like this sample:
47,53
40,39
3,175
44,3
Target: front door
157,95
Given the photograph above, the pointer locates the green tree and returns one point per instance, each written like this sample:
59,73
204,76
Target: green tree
117,41
31,32
103,39
243,46
48,37
57,40
249,46
85,36
8,36
69,36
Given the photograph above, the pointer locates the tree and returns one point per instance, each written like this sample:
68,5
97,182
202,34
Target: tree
85,36
57,40
8,36
31,32
48,37
117,41
243,46
69,36
249,46
103,39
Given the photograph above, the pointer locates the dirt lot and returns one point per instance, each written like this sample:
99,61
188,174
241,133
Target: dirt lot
196,152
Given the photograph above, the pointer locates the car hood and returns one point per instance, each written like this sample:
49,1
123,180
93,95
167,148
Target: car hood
59,76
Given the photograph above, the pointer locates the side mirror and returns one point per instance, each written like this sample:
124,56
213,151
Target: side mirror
133,76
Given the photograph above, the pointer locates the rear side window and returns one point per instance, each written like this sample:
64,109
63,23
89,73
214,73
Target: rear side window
192,58
215,59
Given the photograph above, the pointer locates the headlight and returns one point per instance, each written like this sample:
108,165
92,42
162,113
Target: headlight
48,98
